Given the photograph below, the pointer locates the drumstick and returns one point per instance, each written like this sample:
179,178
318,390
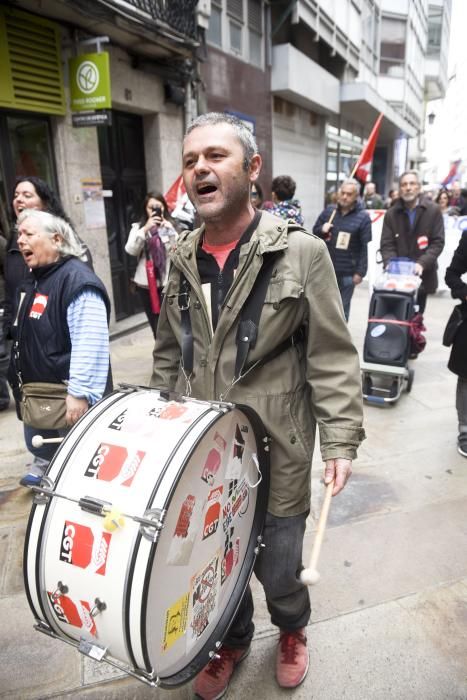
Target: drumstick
310,576
38,440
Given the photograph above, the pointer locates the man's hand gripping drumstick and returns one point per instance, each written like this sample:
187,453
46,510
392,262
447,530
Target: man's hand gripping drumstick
336,474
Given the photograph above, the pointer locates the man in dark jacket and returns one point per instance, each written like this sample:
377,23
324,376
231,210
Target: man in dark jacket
413,228
347,232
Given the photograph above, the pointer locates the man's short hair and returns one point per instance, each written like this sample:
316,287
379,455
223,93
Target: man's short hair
351,181
283,187
244,135
410,172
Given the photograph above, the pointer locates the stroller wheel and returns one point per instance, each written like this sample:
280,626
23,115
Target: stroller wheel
410,380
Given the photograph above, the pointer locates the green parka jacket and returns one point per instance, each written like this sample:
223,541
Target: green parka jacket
316,382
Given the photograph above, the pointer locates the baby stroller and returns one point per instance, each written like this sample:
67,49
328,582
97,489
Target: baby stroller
387,343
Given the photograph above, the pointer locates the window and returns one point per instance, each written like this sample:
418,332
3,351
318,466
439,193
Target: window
255,31
235,31
25,149
393,32
435,26
214,33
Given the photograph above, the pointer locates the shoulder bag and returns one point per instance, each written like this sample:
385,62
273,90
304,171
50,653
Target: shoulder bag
455,321
43,405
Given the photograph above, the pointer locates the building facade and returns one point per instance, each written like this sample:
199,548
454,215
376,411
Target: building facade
102,173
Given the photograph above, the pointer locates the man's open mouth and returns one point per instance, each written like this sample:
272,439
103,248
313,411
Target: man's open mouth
205,188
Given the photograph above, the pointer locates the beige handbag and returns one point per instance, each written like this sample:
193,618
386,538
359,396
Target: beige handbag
43,405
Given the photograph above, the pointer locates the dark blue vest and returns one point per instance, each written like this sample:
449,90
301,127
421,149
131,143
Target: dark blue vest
42,330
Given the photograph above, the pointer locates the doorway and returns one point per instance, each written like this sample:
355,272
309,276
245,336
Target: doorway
121,150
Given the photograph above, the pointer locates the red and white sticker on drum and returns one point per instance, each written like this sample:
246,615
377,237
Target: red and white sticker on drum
114,463
214,459
85,547
204,595
175,621
237,502
231,554
76,613
185,532
213,512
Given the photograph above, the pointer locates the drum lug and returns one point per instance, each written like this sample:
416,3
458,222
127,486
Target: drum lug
266,441
260,545
44,492
99,606
129,388
151,524
62,589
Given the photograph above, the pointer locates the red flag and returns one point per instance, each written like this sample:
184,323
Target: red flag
452,174
363,167
175,194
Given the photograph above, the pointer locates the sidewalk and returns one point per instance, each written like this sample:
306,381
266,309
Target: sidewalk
389,614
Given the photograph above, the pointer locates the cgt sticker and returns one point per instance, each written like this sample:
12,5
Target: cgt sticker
117,423
83,547
422,242
213,512
175,621
38,305
114,463
74,613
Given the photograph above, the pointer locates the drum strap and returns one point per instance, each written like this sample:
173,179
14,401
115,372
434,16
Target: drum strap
185,323
247,332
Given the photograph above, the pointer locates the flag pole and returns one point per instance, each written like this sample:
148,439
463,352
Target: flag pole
371,137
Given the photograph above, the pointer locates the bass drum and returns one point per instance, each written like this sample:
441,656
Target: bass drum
144,535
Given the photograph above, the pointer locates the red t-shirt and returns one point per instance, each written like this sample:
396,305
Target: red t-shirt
219,252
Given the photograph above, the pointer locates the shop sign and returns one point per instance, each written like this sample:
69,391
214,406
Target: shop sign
102,117
90,82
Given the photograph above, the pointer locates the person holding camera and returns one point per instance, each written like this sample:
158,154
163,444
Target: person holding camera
149,241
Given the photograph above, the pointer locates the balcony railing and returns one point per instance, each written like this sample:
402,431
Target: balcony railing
178,15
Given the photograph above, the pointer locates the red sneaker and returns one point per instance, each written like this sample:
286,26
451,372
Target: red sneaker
292,659
212,682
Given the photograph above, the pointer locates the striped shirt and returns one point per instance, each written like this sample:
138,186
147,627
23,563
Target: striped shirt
89,334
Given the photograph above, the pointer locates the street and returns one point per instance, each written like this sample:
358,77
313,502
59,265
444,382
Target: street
389,615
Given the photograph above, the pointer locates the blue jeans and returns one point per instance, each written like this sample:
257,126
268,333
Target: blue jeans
278,569
346,287
46,451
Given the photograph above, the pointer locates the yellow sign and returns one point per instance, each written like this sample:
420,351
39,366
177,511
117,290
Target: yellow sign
175,622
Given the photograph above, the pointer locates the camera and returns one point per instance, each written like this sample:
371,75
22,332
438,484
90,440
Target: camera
157,211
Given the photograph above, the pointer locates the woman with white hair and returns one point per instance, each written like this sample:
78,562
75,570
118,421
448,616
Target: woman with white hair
60,334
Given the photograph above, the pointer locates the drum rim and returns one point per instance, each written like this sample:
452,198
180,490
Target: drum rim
221,628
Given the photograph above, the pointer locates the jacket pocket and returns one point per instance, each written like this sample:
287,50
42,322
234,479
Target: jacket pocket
281,289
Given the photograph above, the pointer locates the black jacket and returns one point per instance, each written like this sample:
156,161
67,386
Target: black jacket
422,243
353,259
41,335
458,358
